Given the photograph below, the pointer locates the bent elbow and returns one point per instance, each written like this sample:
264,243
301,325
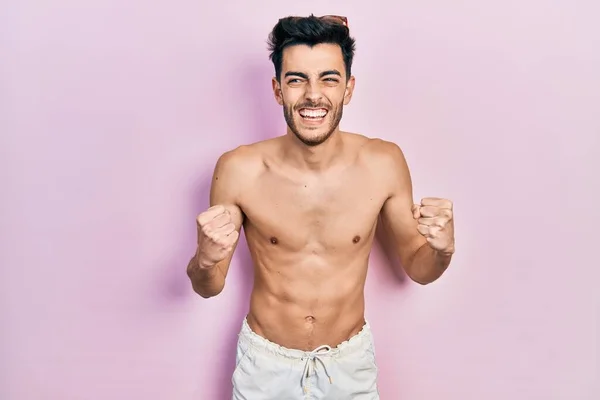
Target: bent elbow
205,292
208,295
205,295
422,280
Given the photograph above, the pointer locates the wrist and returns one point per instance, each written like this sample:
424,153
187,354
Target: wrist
446,251
445,254
202,263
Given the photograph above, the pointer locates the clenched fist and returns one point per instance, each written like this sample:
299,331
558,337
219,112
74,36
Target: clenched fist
216,236
436,223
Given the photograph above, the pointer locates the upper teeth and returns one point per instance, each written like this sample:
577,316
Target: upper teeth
313,113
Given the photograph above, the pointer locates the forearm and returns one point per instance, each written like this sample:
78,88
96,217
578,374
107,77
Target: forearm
427,264
207,282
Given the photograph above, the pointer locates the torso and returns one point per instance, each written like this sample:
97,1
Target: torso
310,236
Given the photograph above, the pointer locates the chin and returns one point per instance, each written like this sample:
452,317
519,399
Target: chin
313,137
312,127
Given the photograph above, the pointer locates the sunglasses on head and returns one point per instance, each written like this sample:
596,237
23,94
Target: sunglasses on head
337,19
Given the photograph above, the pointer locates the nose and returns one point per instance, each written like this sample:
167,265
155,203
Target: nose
313,92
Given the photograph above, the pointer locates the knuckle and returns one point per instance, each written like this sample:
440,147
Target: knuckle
211,235
213,239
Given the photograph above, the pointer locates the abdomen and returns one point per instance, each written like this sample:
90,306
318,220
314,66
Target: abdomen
308,301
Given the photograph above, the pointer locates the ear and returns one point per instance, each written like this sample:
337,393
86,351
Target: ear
349,90
277,91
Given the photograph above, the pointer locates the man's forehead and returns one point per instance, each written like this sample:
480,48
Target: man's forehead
319,57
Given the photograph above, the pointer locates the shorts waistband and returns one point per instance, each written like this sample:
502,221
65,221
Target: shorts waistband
358,342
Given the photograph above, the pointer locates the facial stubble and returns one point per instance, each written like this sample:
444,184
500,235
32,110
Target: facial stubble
288,113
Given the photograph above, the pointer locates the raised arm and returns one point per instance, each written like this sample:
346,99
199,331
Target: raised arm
422,234
218,229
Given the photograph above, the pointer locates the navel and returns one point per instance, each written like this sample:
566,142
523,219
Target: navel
274,240
310,319
356,239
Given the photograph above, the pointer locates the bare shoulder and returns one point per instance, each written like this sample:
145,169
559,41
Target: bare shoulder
239,167
379,153
244,160
383,159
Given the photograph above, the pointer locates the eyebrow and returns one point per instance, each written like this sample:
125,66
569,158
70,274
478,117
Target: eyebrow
305,76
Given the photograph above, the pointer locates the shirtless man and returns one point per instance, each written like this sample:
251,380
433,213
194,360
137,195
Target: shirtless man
309,202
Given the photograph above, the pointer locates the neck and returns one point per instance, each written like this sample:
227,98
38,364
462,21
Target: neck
314,158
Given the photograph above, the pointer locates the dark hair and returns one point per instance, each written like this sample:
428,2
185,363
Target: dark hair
309,31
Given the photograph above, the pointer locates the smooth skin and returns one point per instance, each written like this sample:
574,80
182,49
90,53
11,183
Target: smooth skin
309,202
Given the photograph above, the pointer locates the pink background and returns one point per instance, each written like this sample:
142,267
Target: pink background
113,114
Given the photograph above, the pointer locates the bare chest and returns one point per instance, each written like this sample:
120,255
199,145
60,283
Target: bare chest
313,214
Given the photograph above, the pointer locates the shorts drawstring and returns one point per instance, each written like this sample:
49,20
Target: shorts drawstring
312,358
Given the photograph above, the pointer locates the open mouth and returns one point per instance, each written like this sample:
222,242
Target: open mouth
313,114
